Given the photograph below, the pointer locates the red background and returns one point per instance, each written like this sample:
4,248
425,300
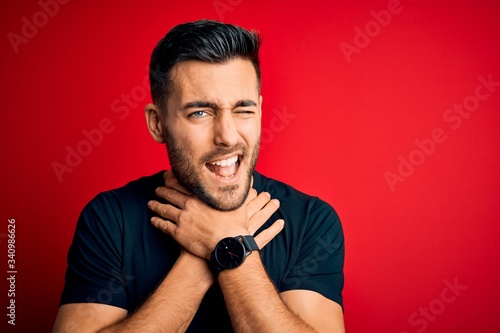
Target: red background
352,122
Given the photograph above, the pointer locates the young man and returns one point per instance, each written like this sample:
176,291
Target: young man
212,246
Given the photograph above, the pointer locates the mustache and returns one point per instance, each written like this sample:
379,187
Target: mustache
222,151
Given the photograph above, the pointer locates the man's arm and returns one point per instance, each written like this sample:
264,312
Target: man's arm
324,314
251,298
86,317
177,299
171,307
255,305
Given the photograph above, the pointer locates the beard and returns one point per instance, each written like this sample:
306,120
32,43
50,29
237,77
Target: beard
188,174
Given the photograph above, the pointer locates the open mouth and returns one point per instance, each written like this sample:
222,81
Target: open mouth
224,168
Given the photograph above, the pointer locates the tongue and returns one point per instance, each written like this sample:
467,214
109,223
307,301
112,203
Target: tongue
221,171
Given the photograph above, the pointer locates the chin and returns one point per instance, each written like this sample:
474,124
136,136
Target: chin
226,198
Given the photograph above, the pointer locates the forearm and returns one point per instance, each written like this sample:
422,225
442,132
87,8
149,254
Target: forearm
253,302
172,306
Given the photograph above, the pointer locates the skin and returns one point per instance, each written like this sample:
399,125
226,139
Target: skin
172,306
226,124
204,126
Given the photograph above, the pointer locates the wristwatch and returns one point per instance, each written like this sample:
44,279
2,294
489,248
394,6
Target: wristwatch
231,252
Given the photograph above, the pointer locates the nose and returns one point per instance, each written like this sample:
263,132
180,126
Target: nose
225,130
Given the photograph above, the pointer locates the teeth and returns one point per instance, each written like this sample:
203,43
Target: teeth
228,162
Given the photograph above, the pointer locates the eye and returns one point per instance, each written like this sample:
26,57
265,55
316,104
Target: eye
245,112
197,114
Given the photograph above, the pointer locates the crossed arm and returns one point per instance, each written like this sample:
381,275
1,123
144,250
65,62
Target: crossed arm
251,298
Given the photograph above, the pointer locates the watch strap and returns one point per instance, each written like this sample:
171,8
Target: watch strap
250,244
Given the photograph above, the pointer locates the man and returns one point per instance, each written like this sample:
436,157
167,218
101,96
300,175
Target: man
227,249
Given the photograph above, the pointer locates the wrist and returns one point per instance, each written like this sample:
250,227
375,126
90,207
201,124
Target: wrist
196,267
251,267
231,252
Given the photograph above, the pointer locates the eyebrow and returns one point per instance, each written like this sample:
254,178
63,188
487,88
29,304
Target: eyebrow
212,105
246,102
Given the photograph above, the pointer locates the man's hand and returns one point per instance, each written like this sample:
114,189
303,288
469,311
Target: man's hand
198,227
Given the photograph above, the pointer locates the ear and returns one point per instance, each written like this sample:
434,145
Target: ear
154,122
260,106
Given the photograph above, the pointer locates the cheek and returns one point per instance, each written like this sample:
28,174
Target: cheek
193,142
253,137
250,131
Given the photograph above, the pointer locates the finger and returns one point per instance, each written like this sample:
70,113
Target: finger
257,203
173,196
164,225
252,194
165,210
261,217
173,183
268,234
167,175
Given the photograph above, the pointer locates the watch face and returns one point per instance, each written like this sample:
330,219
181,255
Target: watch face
230,253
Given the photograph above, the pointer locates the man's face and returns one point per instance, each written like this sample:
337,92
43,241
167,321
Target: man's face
212,129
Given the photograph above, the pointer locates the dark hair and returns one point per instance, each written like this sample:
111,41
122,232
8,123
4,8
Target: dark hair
203,40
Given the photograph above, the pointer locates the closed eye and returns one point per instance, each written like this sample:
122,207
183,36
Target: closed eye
245,111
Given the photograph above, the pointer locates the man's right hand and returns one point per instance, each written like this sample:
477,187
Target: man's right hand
198,227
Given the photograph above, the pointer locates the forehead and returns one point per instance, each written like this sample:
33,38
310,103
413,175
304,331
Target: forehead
235,79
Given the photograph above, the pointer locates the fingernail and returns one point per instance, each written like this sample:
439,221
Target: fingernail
276,202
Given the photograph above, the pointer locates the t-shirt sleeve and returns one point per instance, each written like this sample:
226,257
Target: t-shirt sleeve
320,262
94,273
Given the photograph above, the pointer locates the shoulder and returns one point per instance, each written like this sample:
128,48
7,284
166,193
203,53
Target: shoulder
276,188
294,200
311,246
110,209
133,193
308,219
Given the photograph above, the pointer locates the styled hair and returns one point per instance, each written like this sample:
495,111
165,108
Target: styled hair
203,40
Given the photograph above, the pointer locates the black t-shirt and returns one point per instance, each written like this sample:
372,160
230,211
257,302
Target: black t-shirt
118,258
